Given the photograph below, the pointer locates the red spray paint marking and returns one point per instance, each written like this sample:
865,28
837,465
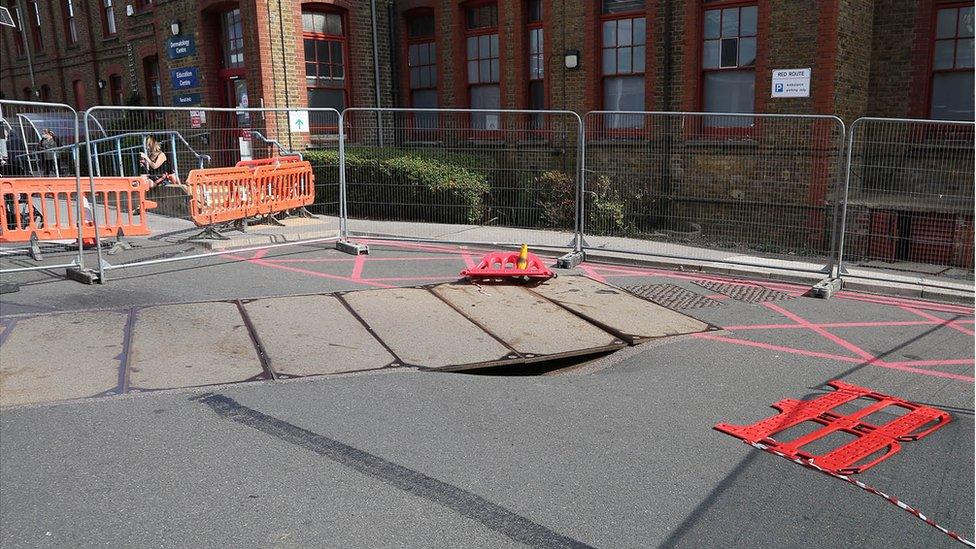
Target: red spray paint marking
824,333
947,323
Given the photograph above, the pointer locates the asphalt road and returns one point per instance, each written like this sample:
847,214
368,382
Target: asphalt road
620,453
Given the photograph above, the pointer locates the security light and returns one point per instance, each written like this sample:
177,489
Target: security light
572,59
174,27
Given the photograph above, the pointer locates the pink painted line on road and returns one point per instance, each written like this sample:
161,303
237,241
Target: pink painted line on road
352,260
264,263
945,362
408,278
803,352
591,272
357,267
618,271
882,300
945,322
840,325
835,339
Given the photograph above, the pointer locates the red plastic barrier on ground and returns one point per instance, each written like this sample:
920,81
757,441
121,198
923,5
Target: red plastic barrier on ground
47,207
266,161
872,442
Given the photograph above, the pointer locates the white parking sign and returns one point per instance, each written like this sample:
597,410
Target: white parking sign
791,83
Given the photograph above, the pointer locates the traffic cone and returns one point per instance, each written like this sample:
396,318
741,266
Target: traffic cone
523,258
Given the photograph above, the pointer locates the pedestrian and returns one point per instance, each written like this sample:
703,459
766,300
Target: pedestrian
155,164
49,157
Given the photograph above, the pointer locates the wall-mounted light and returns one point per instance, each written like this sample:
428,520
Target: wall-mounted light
174,27
101,84
572,59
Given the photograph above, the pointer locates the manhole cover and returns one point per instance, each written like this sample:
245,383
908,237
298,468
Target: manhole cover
748,293
671,296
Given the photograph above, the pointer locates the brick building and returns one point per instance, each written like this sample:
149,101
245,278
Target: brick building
896,58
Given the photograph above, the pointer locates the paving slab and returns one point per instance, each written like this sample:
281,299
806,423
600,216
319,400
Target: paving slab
630,317
535,327
424,331
190,345
312,335
61,357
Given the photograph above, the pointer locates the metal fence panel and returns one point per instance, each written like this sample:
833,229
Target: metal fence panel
199,139
462,176
759,190
910,197
25,152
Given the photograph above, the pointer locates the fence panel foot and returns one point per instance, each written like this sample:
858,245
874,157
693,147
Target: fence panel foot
352,248
85,276
826,288
571,260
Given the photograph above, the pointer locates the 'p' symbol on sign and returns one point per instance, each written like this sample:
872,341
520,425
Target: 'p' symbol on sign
779,87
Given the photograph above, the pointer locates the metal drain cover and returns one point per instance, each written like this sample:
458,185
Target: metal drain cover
749,293
671,296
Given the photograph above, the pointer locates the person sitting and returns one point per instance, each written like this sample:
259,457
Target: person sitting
155,164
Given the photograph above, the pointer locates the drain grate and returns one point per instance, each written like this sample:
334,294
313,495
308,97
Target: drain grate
744,292
671,296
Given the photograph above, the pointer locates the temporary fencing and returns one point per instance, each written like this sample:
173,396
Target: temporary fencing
462,175
759,190
43,204
218,166
910,195
782,191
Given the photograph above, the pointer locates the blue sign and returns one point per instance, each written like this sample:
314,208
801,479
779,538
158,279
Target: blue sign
185,78
180,46
186,99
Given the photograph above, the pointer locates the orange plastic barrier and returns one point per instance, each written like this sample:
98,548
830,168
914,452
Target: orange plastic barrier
266,161
222,195
47,208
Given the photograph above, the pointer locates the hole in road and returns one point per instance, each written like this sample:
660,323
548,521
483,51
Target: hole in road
542,367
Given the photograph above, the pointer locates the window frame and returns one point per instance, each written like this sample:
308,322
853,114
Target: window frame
605,130
536,122
20,36
116,89
106,7
69,17
932,39
727,131
343,40
150,77
463,50
35,26
408,41
226,71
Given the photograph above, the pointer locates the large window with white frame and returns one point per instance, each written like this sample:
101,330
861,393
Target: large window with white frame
952,63
537,59
483,68
422,66
326,78
729,63
623,39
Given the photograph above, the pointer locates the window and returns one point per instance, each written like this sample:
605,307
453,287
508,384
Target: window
623,39
108,17
729,64
422,67
481,40
232,31
154,91
325,59
28,94
70,27
46,93
79,90
34,14
537,60
952,64
19,35
115,89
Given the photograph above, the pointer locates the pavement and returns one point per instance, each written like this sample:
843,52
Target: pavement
615,452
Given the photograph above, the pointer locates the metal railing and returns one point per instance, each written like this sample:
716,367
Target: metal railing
909,196
789,192
759,190
462,175
35,205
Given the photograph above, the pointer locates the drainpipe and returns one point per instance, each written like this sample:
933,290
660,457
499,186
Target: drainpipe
393,38
284,68
27,39
376,73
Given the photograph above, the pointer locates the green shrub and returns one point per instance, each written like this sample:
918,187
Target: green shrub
604,208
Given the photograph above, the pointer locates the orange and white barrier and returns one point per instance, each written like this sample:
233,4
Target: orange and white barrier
46,208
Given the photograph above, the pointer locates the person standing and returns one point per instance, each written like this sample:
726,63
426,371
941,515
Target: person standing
49,157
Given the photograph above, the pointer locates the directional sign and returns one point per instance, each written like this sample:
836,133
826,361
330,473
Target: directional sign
186,99
180,46
185,78
298,121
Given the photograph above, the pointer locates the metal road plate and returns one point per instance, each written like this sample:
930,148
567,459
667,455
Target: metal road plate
533,326
316,334
189,345
59,357
630,317
424,331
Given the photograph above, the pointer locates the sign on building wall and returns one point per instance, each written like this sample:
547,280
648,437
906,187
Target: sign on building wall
198,119
298,121
791,83
185,78
180,46
186,99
